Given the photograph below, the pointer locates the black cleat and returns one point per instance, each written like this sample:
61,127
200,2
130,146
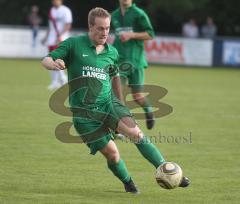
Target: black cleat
130,187
149,120
185,182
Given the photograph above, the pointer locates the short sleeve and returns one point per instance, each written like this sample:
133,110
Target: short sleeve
145,24
114,68
68,16
63,51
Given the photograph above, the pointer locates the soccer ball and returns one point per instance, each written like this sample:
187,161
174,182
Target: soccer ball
169,175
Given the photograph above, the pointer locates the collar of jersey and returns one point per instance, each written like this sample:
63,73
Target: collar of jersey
91,44
129,8
133,5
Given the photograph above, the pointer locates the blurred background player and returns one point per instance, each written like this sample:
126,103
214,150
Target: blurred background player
34,20
60,23
132,26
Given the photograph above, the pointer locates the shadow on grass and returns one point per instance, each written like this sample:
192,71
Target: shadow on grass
117,192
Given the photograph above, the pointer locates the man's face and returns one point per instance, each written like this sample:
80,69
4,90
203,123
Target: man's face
57,3
99,31
125,3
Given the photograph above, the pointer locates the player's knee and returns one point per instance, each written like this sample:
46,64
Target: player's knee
137,96
135,134
113,157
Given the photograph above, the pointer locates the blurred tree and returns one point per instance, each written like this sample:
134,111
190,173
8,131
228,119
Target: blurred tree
16,12
166,16
19,10
226,15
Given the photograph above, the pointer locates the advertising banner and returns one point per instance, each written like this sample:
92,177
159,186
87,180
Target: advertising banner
18,43
231,53
182,51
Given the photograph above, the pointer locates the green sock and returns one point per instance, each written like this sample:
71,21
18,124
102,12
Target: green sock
120,170
150,152
148,109
147,106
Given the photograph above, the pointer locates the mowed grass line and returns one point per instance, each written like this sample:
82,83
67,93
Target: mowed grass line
37,168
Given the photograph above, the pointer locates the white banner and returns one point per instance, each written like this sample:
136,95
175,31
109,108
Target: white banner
18,43
171,50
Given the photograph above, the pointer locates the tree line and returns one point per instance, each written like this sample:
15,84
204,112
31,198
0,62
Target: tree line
166,16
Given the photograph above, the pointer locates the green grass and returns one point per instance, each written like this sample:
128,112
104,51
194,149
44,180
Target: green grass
37,168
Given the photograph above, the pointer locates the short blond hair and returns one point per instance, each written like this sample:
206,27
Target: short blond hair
97,12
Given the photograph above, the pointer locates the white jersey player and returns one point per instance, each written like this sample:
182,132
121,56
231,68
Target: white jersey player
60,21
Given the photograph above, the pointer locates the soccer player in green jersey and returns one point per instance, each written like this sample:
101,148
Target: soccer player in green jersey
132,26
96,109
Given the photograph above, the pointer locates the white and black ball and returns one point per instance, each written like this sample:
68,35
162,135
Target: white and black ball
169,175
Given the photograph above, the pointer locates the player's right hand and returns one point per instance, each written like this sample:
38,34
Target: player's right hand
59,64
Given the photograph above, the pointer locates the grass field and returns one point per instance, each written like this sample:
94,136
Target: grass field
37,168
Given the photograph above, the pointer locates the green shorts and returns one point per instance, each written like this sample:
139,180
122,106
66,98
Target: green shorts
134,77
100,143
95,124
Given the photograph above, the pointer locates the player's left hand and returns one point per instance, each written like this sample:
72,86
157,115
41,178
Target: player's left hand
60,64
124,37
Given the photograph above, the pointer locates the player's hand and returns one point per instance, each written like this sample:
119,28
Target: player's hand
59,65
59,40
124,37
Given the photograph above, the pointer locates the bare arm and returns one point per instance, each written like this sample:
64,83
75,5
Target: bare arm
50,64
67,28
136,36
142,36
116,86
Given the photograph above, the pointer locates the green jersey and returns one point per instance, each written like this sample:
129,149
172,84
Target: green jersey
93,71
134,20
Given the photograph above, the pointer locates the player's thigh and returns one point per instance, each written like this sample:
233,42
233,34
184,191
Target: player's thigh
138,95
117,111
129,128
100,143
125,69
136,80
92,133
90,130
110,152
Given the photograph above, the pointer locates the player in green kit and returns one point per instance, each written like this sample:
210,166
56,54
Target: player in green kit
90,62
132,26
